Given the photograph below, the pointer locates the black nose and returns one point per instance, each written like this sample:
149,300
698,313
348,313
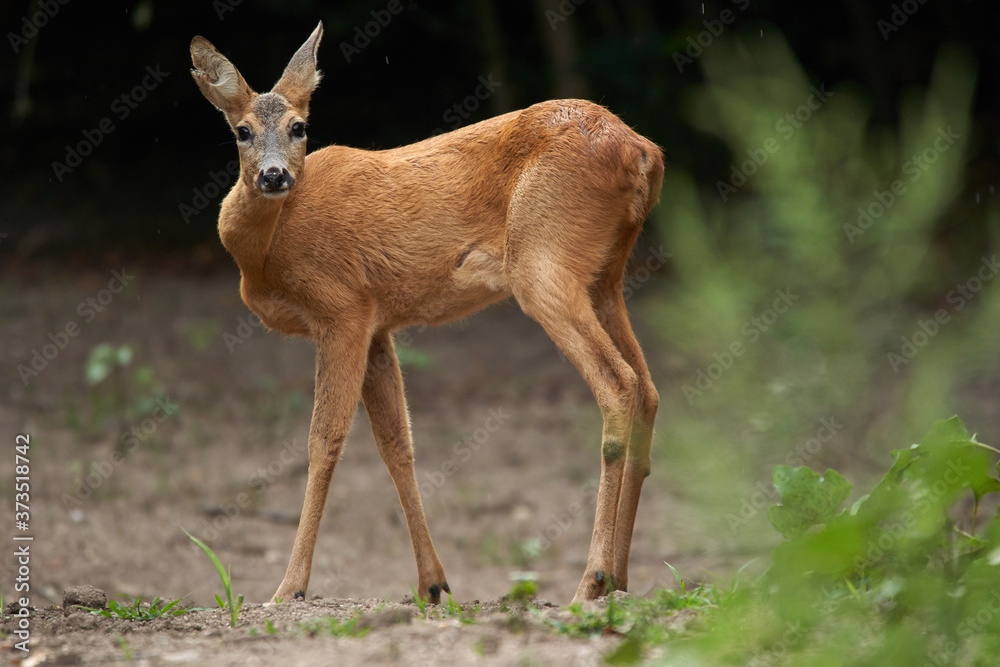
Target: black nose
274,179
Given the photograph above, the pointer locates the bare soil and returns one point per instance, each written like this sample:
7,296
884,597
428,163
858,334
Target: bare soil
296,634
507,438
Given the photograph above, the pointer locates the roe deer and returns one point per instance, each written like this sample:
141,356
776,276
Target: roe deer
344,246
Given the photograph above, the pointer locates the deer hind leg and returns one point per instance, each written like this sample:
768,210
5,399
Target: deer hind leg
562,305
385,402
609,303
340,367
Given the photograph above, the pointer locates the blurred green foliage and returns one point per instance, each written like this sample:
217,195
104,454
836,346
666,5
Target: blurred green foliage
117,393
891,580
818,313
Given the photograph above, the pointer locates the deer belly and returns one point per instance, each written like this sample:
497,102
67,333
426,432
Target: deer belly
477,281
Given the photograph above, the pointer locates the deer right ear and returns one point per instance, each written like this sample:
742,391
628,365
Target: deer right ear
219,80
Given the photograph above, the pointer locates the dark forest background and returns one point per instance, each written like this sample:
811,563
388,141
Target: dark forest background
65,65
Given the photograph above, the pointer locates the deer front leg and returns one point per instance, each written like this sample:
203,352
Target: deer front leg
340,368
385,401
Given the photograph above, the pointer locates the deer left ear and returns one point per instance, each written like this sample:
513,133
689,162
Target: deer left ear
301,76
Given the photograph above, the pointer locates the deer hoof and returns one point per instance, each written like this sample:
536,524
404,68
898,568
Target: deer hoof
434,592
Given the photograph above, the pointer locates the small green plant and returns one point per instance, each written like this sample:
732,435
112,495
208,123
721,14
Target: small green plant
455,610
104,360
524,588
893,532
530,548
232,605
113,392
135,610
334,627
119,393
127,655
699,597
269,627
591,623
420,602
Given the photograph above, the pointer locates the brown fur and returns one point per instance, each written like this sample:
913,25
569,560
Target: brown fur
543,204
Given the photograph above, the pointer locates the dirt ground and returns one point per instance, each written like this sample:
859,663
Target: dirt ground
223,456
396,634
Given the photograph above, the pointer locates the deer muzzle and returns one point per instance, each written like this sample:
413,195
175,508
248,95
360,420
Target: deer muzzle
274,180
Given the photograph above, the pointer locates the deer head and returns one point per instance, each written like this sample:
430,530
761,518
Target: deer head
270,128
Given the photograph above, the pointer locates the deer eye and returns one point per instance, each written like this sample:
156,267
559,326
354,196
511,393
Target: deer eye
299,129
243,133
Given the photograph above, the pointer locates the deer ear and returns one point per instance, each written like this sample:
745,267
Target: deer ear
301,76
219,80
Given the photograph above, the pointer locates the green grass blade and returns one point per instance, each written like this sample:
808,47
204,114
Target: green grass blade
171,606
223,575
677,576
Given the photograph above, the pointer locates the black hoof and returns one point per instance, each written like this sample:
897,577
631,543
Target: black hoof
599,576
300,595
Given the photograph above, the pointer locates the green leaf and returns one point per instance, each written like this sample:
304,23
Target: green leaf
215,559
904,459
123,355
677,576
984,486
99,363
947,430
886,493
955,461
170,606
807,498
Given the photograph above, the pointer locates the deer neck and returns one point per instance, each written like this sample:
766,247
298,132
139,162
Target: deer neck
246,226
